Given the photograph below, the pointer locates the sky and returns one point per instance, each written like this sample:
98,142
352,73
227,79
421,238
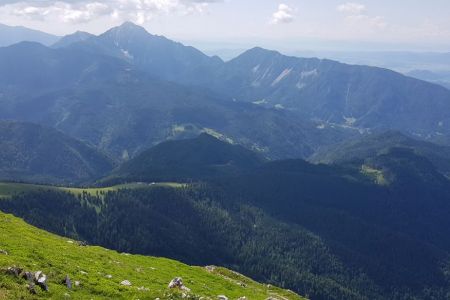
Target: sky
289,24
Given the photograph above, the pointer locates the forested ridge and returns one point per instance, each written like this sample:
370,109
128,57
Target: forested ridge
323,249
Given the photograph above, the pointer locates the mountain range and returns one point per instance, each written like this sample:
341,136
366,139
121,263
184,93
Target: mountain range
322,90
301,104
10,35
107,102
325,178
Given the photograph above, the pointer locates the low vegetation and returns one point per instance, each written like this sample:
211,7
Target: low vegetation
9,189
97,273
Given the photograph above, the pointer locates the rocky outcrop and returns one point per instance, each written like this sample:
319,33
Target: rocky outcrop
34,279
125,283
67,282
40,279
178,283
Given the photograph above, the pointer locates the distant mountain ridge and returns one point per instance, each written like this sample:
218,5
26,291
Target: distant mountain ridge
366,98
10,35
37,154
307,103
334,94
156,55
370,146
75,37
115,106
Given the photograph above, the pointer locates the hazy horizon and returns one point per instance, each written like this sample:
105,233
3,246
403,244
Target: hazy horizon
290,25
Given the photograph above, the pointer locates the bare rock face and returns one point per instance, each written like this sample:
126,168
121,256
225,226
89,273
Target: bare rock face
178,283
36,279
28,276
40,279
32,288
210,268
15,271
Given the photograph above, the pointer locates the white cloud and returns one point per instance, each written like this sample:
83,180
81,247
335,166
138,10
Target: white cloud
284,14
376,22
82,11
356,15
352,8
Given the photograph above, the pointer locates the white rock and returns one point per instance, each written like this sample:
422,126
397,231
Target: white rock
184,288
126,283
177,282
37,275
42,278
210,268
222,297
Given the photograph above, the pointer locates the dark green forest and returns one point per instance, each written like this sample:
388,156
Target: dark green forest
369,228
322,231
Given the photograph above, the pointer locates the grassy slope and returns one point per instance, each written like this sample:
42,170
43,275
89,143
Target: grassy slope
8,189
35,249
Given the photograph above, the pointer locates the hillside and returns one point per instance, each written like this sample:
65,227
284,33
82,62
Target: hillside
34,153
186,160
100,272
198,225
370,146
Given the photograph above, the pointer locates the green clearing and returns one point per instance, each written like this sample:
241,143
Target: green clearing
8,189
34,249
376,175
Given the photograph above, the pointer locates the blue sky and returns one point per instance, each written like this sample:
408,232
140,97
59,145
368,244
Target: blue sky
407,24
